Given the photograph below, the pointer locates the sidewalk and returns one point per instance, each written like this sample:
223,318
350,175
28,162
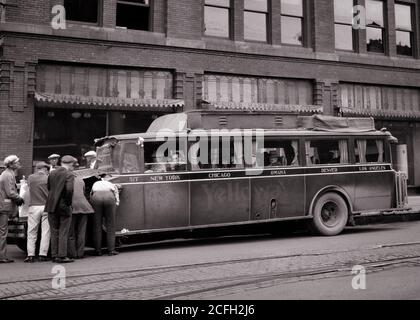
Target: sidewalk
413,214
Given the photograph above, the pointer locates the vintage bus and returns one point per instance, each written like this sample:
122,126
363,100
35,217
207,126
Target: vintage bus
204,169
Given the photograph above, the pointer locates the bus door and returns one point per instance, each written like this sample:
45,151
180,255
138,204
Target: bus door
165,184
219,188
279,191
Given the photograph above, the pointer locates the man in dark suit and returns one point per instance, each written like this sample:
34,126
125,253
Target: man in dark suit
58,206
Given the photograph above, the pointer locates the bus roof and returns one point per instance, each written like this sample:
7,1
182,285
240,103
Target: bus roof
272,123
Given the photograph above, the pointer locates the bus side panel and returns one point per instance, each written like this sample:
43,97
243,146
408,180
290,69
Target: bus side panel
219,201
130,212
166,205
374,191
279,197
315,183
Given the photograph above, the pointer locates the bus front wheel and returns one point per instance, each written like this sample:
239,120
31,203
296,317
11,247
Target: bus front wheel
330,215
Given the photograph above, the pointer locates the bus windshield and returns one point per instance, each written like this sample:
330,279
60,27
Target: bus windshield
108,157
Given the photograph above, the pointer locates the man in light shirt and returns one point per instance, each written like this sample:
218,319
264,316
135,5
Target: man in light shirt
104,199
91,159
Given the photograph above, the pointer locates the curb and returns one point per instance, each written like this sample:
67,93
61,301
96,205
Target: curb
387,218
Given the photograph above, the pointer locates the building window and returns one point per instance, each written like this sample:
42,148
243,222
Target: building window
82,10
249,90
255,20
375,26
133,14
292,22
343,18
404,29
217,18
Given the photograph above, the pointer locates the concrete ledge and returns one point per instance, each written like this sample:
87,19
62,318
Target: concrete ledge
403,216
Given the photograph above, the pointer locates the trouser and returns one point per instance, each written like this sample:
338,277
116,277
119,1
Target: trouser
4,218
37,217
60,227
104,205
77,237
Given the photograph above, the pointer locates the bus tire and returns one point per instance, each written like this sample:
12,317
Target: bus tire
330,215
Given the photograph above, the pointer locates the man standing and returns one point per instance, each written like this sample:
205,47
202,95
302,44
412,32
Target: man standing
91,159
60,188
105,199
9,200
37,216
53,159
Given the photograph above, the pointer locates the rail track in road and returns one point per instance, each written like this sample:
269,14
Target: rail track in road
189,280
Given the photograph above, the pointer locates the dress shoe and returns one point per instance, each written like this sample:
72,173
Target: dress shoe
97,253
6,261
64,260
29,259
43,258
113,253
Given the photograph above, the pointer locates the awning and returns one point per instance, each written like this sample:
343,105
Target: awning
382,114
246,106
50,100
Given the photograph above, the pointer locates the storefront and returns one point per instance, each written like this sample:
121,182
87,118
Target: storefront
76,104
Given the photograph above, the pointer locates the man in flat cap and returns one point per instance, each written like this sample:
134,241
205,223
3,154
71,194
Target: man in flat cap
38,191
9,201
91,159
59,201
53,160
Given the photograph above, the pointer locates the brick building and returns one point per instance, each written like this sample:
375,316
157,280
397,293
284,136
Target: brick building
117,65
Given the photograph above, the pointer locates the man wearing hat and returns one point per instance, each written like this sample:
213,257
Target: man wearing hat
53,160
91,159
60,192
37,216
9,200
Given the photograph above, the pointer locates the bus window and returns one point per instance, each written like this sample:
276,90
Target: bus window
159,158
326,152
129,158
369,150
281,153
217,153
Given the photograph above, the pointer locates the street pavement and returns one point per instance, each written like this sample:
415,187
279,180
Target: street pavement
287,266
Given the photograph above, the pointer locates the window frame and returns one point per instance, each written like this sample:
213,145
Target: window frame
302,24
99,17
267,23
383,29
149,5
230,19
411,32
354,33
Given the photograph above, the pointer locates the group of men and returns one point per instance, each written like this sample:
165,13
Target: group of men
59,204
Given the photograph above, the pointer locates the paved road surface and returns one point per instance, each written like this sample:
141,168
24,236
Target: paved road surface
291,266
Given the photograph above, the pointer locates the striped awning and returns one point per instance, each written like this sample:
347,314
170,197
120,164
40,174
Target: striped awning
381,113
51,100
246,106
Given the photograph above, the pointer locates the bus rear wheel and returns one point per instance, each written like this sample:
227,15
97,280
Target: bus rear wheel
330,215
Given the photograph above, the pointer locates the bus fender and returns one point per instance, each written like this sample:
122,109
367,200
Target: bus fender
335,189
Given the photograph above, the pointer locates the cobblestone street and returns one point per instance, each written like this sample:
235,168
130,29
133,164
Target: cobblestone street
241,268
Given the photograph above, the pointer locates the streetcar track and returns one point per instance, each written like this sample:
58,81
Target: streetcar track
169,268
235,281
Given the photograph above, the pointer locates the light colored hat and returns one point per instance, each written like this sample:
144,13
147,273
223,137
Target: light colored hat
54,156
9,160
90,154
68,159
